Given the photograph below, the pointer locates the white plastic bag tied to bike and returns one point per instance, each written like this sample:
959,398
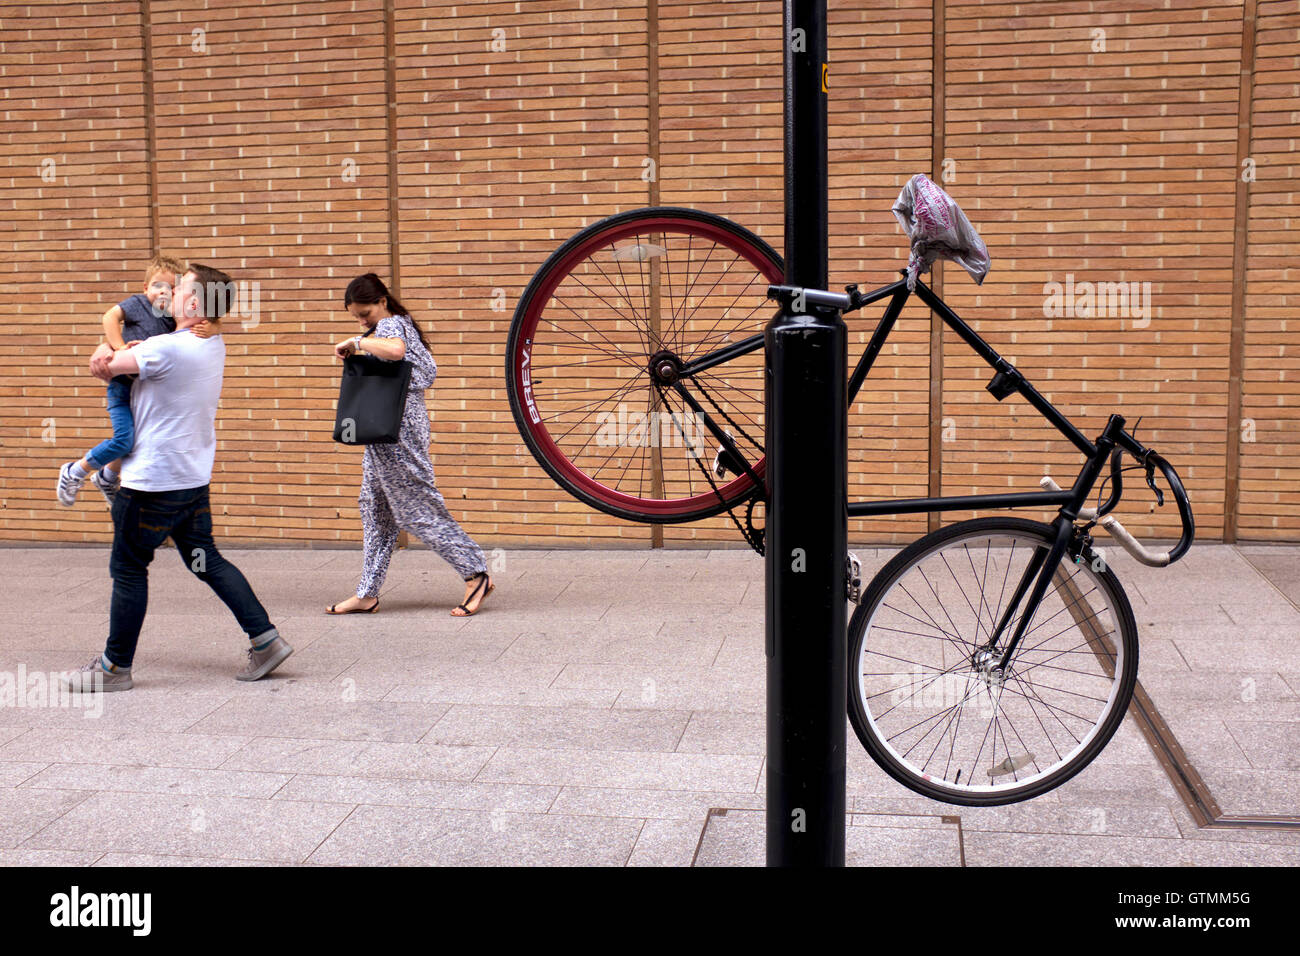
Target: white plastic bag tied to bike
938,229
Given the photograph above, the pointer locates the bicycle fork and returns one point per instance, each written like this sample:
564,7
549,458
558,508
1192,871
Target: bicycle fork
1044,562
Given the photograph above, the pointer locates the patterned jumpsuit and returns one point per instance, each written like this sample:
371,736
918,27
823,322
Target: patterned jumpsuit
397,484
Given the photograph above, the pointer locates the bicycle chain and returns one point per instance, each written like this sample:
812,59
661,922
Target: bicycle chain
754,537
723,413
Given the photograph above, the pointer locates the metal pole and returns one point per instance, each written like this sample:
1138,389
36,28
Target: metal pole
807,473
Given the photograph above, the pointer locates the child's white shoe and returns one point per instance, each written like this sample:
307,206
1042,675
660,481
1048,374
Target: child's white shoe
68,485
106,488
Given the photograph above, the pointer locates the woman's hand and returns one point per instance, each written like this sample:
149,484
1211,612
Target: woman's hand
345,348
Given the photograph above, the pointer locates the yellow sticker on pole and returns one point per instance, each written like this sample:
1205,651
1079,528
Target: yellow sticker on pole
825,70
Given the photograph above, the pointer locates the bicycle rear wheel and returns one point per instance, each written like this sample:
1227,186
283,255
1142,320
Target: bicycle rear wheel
646,290
928,704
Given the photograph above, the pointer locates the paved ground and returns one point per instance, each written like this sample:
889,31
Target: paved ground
593,715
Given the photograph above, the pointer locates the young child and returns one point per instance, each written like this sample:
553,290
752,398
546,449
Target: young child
128,323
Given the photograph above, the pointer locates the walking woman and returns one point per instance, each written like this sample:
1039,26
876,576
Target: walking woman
397,485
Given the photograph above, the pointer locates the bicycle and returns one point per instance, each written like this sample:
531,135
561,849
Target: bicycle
984,667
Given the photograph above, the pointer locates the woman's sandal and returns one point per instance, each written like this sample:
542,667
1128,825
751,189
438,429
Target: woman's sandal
356,610
483,578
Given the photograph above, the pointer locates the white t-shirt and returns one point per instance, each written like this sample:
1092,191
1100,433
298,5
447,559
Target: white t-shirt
174,402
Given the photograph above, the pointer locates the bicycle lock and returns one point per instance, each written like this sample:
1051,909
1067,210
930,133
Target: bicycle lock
807,475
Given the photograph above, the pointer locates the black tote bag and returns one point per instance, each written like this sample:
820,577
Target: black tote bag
372,400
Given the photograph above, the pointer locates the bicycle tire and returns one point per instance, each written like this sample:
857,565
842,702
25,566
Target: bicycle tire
522,350
879,631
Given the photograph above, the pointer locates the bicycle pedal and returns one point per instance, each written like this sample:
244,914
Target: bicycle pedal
854,580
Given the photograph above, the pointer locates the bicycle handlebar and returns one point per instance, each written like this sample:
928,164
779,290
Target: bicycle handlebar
1121,534
1180,496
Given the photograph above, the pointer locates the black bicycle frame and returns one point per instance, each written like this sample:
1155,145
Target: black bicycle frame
1006,381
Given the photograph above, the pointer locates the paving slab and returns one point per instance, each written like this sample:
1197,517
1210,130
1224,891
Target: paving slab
725,733
651,804
1021,849
14,772
26,812
1248,792
360,758
636,770
403,836
174,780
205,826
340,719
421,792
559,728
159,859
58,745
738,838
1279,566
150,707
630,643
61,858
666,843
1252,615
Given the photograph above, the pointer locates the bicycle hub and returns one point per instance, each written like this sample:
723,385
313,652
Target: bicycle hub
665,367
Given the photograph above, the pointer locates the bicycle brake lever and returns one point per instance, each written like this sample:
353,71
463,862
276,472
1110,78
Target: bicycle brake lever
1151,483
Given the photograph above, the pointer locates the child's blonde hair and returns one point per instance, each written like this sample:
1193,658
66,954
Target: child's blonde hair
161,263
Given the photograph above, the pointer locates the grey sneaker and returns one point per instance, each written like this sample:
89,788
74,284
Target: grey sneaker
68,486
93,679
108,489
260,663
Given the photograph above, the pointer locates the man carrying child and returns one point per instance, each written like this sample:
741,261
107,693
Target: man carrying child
164,483
135,319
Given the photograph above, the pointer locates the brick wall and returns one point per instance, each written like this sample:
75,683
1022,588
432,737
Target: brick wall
1270,449
1089,139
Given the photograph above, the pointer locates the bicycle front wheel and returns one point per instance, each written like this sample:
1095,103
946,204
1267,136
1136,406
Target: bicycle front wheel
604,341
927,699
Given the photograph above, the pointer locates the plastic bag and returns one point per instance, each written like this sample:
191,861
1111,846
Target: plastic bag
938,229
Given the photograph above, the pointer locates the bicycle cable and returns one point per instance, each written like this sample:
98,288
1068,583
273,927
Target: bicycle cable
1101,491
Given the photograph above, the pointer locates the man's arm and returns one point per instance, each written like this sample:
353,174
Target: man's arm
106,363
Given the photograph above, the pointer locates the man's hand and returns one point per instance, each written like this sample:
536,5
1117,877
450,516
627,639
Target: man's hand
99,362
204,329
106,363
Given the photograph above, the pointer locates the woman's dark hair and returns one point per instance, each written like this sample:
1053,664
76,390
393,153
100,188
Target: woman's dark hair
369,289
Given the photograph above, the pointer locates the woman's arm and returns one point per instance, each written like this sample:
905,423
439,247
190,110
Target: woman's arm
113,328
391,349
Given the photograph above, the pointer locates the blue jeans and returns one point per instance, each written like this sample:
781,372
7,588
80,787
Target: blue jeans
142,521
119,413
